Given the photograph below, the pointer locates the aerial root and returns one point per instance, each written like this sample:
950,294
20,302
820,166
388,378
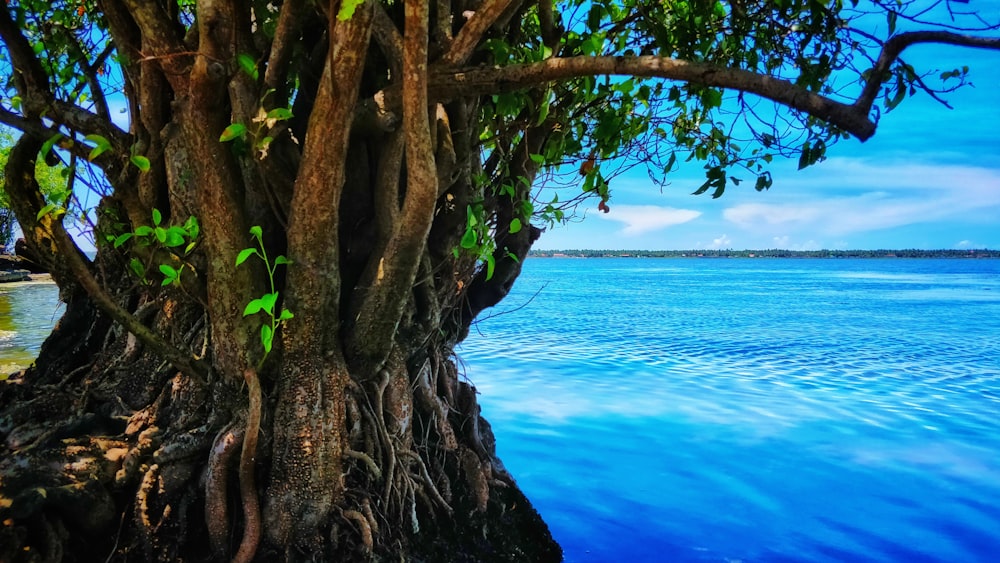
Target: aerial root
367,461
428,483
216,504
364,526
437,408
142,516
366,508
248,457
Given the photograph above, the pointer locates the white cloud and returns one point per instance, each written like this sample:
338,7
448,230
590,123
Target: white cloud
785,242
890,176
721,242
640,219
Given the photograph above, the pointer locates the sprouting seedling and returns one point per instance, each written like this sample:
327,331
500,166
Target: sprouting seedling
179,240
268,301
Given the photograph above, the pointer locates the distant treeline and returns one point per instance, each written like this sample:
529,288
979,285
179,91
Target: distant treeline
772,253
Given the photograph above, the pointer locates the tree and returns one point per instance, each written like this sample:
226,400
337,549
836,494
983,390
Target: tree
309,205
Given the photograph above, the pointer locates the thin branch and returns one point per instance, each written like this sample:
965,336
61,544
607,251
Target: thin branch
442,24
895,46
286,36
389,41
547,21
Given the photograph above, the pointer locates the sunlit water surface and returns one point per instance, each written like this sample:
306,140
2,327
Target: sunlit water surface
28,311
751,410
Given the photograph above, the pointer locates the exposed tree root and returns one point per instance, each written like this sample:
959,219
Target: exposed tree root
364,526
216,502
248,489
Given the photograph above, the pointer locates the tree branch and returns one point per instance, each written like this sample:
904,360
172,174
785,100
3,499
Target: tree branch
160,34
313,277
309,440
472,32
286,36
27,201
29,77
895,46
389,41
449,84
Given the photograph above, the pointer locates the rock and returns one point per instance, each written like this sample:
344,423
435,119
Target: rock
14,276
27,258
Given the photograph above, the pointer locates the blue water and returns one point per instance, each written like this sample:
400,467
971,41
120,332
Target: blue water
733,410
751,410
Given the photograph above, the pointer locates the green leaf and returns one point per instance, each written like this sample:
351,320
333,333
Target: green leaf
157,216
168,271
247,65
234,131
712,98
102,146
144,231
543,110
45,211
267,302
136,267
285,315
281,260
469,239
804,156
347,9
279,114
266,337
253,307
140,162
257,232
122,239
175,237
191,225
244,254
48,144
515,225
161,234
490,266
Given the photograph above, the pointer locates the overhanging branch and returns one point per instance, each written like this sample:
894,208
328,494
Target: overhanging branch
481,80
895,46
27,202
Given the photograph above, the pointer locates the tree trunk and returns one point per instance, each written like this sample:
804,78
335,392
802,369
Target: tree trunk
156,424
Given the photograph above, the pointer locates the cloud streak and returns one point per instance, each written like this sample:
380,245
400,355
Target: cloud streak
896,196
639,219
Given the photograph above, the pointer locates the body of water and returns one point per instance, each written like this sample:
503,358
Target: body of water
733,410
751,410
28,311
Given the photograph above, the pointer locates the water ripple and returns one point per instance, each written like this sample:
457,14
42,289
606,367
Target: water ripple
766,410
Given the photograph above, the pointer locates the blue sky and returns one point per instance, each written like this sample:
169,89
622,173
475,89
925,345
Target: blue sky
930,178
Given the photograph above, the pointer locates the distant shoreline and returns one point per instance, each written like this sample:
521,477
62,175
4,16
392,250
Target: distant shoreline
772,253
